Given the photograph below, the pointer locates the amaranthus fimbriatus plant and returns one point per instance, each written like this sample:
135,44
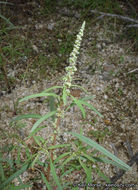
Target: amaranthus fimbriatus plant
82,158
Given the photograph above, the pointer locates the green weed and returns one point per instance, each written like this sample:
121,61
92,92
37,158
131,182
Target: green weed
56,162
4,18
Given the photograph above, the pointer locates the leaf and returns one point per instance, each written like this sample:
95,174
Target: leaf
2,2
7,21
91,107
46,182
64,96
51,88
87,98
89,157
27,151
104,160
66,161
16,174
58,146
27,116
102,149
38,95
34,161
52,105
64,186
23,186
53,171
41,139
78,103
2,172
61,156
72,104
36,138
35,131
101,174
43,118
87,171
67,172
75,188
18,161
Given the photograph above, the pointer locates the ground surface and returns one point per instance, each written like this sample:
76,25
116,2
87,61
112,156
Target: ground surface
36,55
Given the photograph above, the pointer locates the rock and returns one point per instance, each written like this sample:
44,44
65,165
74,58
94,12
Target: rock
107,76
108,71
50,26
35,48
108,67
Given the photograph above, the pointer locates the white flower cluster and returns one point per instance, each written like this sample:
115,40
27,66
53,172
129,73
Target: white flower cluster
60,113
73,58
70,72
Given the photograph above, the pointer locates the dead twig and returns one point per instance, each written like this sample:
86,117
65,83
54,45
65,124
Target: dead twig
129,148
116,154
132,26
127,19
132,71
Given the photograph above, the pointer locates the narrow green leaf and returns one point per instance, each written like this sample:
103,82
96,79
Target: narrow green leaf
67,172
16,174
89,157
43,118
37,140
104,160
27,116
53,171
3,160
87,98
23,186
81,132
41,139
38,95
101,174
66,161
35,160
78,103
18,161
52,88
64,186
6,29
46,182
102,149
64,96
7,20
72,104
58,146
61,156
36,130
75,188
20,180
27,151
52,105
11,163
2,2
91,107
87,171
2,172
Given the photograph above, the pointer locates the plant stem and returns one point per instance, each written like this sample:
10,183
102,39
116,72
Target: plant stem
66,86
54,142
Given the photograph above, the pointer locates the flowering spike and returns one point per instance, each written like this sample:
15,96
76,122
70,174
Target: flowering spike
73,58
